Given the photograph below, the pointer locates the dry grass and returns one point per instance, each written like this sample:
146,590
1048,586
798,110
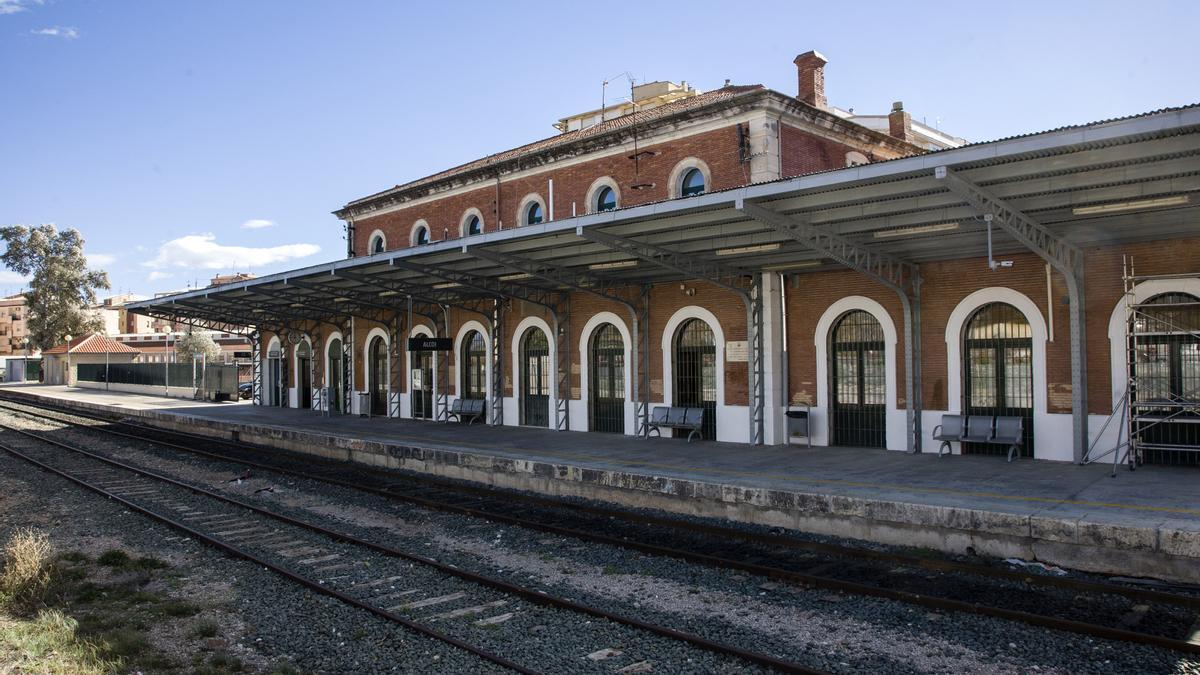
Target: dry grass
26,574
48,644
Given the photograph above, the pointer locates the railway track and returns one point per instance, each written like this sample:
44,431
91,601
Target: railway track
431,598
1095,608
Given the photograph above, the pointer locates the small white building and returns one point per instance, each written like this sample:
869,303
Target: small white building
59,363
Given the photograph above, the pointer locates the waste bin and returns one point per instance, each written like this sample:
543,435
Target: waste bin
797,425
364,403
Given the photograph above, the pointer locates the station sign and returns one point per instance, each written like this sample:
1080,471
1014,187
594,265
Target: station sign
428,344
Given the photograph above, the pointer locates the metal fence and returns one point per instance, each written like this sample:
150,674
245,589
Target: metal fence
215,381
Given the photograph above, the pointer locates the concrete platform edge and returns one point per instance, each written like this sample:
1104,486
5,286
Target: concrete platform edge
1154,551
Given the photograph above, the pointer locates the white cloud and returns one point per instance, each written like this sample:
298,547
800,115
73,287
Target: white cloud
98,260
201,251
158,275
257,224
64,32
14,6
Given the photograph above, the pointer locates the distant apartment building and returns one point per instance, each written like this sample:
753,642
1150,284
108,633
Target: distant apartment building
13,332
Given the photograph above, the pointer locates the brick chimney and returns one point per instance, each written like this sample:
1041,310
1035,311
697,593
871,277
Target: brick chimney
900,122
810,67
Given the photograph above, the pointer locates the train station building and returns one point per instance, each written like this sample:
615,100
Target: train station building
750,253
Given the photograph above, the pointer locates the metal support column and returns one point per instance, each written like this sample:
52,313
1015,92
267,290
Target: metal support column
256,366
1065,257
754,333
902,277
497,337
441,384
643,364
395,371
562,348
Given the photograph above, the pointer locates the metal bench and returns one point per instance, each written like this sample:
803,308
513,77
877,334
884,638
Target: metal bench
467,409
999,430
675,417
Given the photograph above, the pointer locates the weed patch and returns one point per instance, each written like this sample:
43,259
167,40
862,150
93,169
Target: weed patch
26,575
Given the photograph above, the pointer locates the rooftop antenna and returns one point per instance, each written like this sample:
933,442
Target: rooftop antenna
604,91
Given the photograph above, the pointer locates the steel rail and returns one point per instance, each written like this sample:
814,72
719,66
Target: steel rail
535,596
1133,593
852,587
238,552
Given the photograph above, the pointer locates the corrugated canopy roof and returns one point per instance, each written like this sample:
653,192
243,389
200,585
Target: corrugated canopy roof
1115,181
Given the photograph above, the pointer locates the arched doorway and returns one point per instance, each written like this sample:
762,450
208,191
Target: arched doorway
858,387
335,376
421,379
473,364
1165,345
696,374
607,391
998,370
304,374
535,378
377,365
273,377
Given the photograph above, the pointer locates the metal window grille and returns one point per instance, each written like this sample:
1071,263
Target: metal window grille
422,385
535,378
334,375
859,385
377,358
998,345
304,374
608,380
474,366
1165,396
696,373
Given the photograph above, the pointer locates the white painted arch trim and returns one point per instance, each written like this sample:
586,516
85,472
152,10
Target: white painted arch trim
466,217
527,201
675,182
593,192
377,234
1116,325
274,344
416,229
518,333
366,360
1046,445
668,360
585,363
463,330
335,335
895,420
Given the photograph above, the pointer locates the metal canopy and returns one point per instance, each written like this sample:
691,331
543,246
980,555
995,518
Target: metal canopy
1106,183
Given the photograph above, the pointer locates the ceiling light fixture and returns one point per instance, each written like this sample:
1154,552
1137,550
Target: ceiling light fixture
386,294
1177,200
448,284
619,264
516,277
918,229
756,248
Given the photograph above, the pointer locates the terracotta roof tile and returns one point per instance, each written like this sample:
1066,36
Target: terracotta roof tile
92,344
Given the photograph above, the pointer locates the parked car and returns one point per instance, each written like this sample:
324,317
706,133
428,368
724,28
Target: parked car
245,390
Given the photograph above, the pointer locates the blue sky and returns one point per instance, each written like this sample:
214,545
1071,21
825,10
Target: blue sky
165,131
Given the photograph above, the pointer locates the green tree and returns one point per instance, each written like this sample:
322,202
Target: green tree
191,344
62,287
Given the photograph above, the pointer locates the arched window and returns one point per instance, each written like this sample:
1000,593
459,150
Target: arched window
474,226
474,366
421,235
377,360
606,199
608,380
693,183
859,383
533,214
377,244
335,376
998,370
1165,341
695,372
535,378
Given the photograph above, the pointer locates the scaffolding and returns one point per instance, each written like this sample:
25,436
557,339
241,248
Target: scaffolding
1157,416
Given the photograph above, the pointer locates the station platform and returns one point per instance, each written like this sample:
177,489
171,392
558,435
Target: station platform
1140,524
